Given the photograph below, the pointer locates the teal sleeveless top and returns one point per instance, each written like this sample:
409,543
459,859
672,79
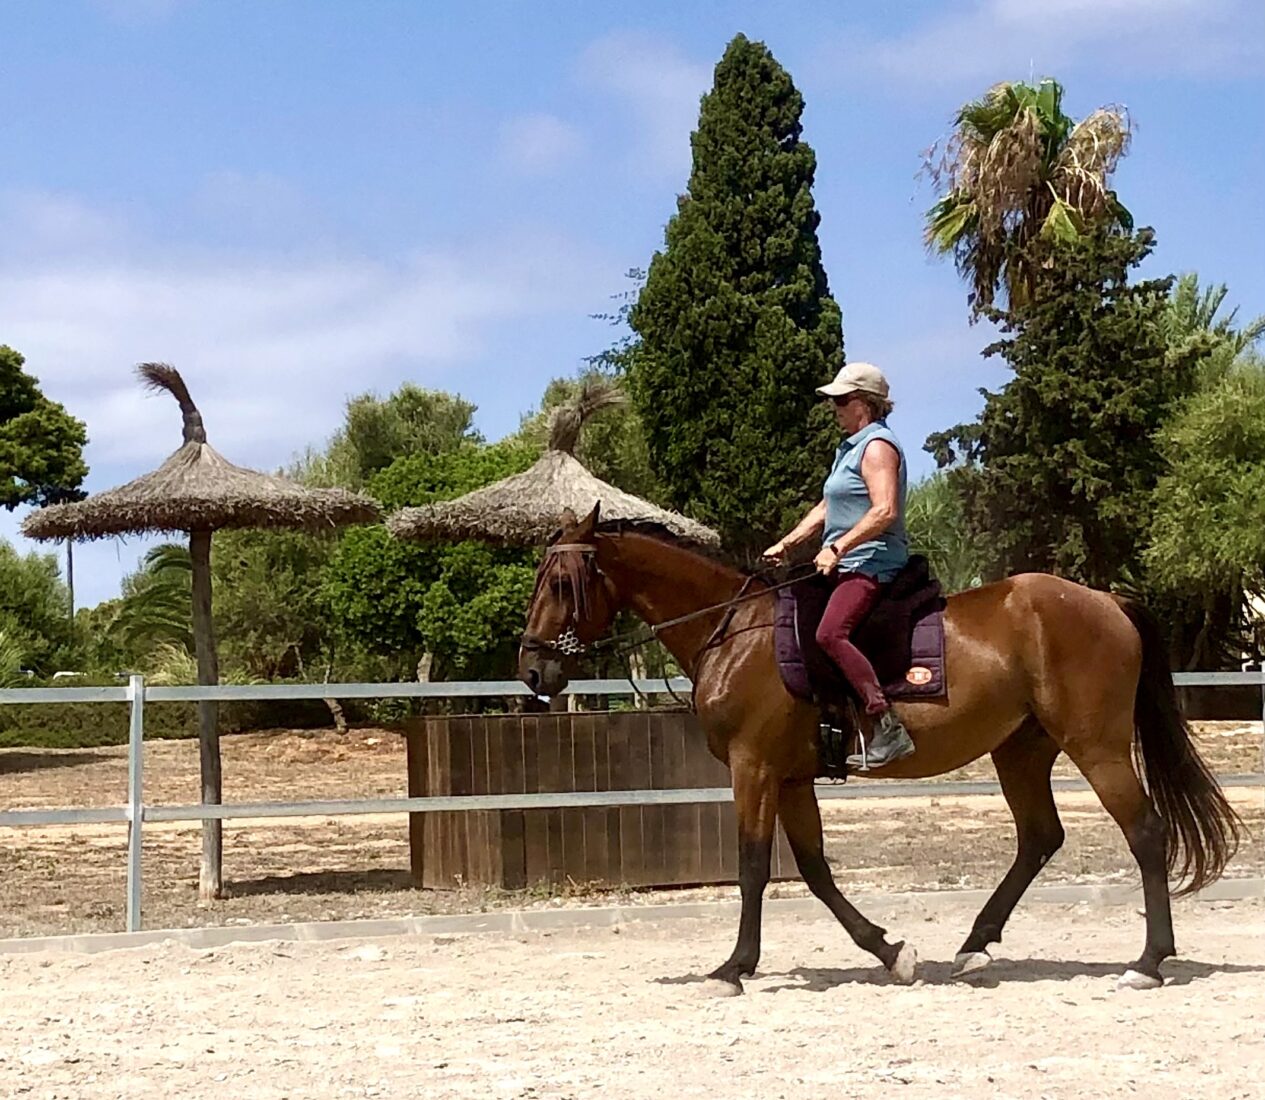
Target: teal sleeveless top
847,500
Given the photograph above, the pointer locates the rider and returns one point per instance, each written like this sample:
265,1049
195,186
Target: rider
862,517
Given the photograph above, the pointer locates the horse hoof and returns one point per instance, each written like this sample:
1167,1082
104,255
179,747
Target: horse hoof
721,987
1135,979
966,963
906,963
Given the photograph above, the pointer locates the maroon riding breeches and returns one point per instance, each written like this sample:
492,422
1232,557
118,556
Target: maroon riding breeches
850,602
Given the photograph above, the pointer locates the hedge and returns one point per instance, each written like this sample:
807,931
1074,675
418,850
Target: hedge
89,725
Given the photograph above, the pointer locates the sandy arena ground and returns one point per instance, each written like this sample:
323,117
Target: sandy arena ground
620,1012
72,879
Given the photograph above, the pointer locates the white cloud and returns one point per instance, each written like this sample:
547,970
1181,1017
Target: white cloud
255,206
270,346
539,144
661,89
39,223
999,39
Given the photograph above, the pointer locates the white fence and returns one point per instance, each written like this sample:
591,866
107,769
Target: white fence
136,694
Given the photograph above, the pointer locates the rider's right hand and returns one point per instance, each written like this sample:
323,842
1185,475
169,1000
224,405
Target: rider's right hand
776,552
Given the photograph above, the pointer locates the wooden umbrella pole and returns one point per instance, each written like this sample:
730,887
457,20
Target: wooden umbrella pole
211,875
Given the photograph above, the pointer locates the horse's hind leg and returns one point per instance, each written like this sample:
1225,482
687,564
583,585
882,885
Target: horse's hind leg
1023,761
1102,748
801,819
1121,792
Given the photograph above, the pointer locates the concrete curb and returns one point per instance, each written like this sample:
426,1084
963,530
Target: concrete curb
552,920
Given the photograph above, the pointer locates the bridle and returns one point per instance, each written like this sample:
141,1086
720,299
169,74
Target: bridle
574,570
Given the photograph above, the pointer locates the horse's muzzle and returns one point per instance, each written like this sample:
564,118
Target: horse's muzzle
542,671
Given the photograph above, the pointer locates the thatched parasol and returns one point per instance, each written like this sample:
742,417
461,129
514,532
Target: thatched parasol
199,491
524,509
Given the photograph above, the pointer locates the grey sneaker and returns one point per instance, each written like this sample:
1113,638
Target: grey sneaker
891,742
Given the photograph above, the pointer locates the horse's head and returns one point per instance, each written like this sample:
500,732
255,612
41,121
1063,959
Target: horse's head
574,604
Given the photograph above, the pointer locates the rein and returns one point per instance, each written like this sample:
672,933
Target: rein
731,605
569,644
570,562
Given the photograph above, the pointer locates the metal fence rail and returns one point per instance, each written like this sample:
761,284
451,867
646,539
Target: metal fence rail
135,813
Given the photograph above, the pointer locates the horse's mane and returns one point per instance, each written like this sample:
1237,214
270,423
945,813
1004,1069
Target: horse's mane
663,533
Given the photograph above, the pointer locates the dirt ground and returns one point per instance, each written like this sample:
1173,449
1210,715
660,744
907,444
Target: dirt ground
72,878
621,1012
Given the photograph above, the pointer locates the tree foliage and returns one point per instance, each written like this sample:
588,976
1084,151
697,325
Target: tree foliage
460,603
1209,526
376,431
1018,177
270,619
41,445
35,631
1195,319
937,526
1205,557
736,322
155,607
1059,472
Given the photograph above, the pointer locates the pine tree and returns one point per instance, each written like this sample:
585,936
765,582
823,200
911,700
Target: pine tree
1060,470
736,322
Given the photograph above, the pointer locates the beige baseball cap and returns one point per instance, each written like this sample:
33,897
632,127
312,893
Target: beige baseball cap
862,377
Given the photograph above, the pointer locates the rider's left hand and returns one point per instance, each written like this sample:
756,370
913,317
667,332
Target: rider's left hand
826,560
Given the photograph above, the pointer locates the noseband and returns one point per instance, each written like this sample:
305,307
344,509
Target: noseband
572,561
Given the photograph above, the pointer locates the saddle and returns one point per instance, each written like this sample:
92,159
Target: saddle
903,638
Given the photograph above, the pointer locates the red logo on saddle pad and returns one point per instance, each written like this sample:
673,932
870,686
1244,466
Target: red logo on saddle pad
918,675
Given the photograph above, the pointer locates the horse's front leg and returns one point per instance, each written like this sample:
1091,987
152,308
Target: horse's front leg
755,798
801,818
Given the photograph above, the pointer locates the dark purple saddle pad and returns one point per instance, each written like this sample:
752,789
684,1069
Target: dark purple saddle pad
903,637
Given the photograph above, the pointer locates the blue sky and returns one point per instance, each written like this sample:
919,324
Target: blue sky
296,202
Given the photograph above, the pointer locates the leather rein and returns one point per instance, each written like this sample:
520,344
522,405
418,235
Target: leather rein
568,643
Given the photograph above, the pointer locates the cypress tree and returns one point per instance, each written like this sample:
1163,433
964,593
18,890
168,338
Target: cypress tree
736,322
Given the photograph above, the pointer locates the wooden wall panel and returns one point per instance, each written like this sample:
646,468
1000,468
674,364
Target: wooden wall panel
680,844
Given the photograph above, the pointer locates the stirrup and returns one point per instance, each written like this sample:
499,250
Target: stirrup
832,750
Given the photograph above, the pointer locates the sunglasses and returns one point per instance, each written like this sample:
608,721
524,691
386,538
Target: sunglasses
839,402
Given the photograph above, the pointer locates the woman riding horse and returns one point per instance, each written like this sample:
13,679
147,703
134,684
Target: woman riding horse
861,515
1038,665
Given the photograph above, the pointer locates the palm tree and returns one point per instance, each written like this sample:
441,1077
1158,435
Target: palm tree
1192,311
1017,170
154,610
938,528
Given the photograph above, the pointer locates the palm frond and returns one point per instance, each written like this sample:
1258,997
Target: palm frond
12,658
1025,171
1061,225
952,218
1084,166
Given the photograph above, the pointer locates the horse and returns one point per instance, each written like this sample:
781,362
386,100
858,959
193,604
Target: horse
1038,665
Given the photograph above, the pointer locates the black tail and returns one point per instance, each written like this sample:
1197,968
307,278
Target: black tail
1200,827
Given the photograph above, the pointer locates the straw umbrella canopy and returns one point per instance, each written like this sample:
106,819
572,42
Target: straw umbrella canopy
524,509
197,490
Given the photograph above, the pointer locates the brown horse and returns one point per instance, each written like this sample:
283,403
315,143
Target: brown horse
1037,666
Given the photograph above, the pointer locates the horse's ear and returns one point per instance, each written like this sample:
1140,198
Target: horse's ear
589,524
568,519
